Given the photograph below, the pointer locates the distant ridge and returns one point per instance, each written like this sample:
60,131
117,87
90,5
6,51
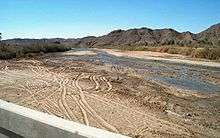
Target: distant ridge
137,37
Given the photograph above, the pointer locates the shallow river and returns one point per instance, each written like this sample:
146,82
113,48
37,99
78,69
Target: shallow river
179,75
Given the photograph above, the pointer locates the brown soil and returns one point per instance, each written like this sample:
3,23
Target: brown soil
101,96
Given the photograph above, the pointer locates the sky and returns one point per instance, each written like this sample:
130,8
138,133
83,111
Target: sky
79,18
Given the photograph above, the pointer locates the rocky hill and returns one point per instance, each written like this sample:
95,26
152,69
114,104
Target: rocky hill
137,37
210,35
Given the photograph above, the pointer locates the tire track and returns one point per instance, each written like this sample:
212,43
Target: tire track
85,116
35,100
62,108
91,79
108,83
64,102
97,85
31,95
101,88
89,108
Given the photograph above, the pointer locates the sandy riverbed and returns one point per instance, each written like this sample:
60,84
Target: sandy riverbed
106,92
162,57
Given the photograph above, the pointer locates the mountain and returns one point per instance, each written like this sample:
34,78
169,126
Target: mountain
210,35
144,36
137,37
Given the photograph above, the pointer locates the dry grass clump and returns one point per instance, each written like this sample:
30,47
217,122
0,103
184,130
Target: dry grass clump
212,53
208,53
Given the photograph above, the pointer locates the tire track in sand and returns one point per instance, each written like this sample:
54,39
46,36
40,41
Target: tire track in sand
63,103
108,83
97,85
85,116
81,106
89,109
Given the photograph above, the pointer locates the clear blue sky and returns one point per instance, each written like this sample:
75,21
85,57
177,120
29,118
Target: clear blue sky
78,18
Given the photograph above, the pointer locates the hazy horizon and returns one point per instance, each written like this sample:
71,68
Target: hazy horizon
76,19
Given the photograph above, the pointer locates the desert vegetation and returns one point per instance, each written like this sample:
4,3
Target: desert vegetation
212,53
206,52
16,51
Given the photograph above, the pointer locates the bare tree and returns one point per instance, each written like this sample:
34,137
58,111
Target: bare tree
0,37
